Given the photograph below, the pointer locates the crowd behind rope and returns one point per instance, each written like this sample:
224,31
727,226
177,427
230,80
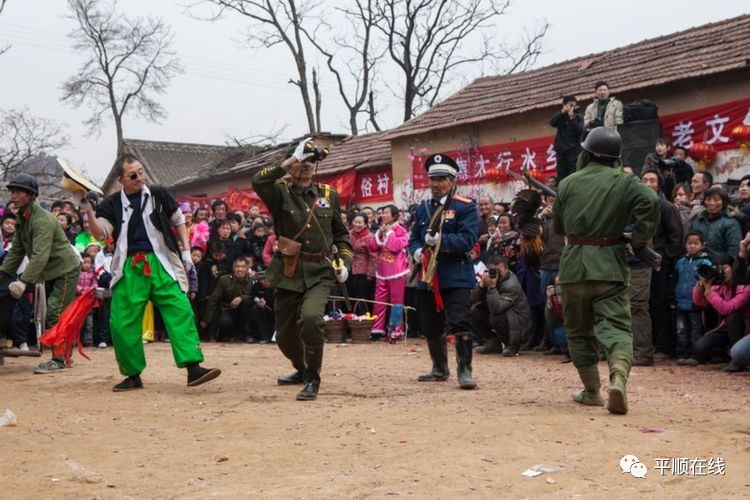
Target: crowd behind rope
695,310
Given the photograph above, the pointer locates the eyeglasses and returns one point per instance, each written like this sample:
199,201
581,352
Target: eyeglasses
134,175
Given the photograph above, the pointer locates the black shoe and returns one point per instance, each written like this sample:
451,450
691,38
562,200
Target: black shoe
292,379
265,341
640,361
543,347
733,367
201,375
553,351
251,340
310,391
129,384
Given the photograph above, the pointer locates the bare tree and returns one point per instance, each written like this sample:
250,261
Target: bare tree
353,60
5,48
429,39
23,136
280,22
130,61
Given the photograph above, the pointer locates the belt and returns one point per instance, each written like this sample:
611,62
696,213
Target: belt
315,257
595,242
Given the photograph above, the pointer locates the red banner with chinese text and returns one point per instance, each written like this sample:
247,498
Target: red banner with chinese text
488,163
373,186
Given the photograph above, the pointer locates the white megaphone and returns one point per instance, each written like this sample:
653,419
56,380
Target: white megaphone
74,182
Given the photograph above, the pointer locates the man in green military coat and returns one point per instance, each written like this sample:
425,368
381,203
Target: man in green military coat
592,208
314,242
52,260
229,304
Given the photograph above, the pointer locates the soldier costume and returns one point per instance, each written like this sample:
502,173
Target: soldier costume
51,260
592,208
301,272
443,304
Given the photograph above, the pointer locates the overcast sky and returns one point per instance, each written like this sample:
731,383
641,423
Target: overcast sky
230,90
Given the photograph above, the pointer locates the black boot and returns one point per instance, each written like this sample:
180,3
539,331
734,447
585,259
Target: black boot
312,384
314,362
298,377
463,357
439,355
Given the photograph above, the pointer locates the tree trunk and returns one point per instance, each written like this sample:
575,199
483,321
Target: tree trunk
318,102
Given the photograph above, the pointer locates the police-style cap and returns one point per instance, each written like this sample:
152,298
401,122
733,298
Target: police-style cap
439,165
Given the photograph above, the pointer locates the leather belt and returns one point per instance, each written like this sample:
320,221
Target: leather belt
595,242
311,257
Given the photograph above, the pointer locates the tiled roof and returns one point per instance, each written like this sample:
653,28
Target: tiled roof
706,50
357,151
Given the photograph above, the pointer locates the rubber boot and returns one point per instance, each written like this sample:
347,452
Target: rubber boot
298,377
463,358
590,394
491,346
619,369
313,362
439,355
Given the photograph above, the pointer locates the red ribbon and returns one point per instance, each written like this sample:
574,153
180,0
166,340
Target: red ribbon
439,303
140,257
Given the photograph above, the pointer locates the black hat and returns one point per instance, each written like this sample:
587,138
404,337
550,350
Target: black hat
25,182
441,165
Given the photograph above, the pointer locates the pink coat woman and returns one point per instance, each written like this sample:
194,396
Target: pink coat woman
389,242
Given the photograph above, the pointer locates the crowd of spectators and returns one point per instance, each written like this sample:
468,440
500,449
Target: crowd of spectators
695,309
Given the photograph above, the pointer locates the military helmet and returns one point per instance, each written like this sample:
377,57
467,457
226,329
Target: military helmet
604,142
26,182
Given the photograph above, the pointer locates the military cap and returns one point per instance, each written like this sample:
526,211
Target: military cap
441,165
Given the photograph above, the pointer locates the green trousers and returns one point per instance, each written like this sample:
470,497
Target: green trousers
598,311
129,297
61,291
300,332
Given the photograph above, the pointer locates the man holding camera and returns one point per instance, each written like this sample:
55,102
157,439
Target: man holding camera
314,252
501,312
605,111
569,125
592,208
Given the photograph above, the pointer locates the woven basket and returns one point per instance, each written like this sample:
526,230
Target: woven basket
335,331
361,330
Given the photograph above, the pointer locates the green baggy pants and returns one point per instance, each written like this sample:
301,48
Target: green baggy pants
598,310
129,297
300,332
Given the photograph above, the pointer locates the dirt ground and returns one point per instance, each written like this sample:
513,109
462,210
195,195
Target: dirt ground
373,432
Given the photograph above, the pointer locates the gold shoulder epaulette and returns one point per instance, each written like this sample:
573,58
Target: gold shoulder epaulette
462,198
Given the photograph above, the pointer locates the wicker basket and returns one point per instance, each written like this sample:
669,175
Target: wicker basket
336,331
361,330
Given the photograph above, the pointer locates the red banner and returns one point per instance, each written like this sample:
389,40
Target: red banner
373,186
490,163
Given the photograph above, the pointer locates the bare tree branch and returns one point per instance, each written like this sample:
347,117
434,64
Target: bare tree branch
23,136
271,138
130,61
276,22
432,41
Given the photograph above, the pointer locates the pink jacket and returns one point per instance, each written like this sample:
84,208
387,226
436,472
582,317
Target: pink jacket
268,250
392,258
364,261
722,300
86,280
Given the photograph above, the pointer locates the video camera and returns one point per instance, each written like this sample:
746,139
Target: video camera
671,162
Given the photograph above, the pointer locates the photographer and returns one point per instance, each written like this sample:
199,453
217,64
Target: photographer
604,111
502,312
673,170
717,288
569,125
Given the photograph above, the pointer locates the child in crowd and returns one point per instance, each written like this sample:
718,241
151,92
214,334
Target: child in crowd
86,282
553,315
688,321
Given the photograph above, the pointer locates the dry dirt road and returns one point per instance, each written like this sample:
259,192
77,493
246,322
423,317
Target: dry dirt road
373,432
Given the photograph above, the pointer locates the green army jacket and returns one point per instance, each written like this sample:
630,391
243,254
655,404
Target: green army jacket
289,206
226,290
40,237
598,201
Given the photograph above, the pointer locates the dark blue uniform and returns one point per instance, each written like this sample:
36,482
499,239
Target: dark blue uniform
455,271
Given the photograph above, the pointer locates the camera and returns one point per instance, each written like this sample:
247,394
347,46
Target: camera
670,163
492,273
711,272
576,108
318,153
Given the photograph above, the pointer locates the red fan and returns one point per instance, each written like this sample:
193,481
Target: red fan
67,331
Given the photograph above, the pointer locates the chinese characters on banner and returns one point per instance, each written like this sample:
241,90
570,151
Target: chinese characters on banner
713,125
373,186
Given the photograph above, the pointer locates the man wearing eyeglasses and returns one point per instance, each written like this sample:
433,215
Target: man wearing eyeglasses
148,265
